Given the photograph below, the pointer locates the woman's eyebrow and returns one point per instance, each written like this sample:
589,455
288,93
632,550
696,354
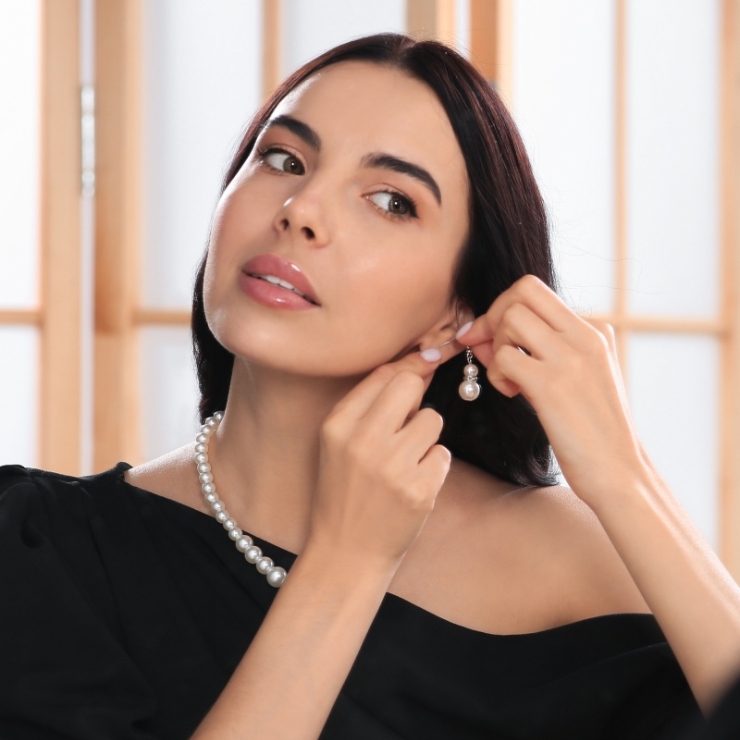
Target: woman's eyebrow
389,162
300,129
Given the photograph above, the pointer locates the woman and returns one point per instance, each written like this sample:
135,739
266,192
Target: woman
438,583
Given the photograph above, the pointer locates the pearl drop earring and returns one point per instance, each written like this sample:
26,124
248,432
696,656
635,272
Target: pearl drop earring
469,389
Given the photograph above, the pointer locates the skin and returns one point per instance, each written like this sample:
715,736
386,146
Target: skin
324,452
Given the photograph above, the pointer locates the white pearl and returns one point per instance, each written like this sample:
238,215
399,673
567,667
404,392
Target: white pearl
276,576
264,565
470,371
469,390
253,554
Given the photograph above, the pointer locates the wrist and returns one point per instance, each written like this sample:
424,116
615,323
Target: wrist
345,566
635,486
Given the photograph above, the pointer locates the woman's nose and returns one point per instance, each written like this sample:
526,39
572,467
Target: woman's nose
303,216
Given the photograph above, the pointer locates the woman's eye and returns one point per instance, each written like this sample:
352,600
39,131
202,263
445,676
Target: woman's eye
282,161
394,204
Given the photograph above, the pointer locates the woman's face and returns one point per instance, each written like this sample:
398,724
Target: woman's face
358,181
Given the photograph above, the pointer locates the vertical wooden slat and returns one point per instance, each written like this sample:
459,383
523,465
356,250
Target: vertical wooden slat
272,40
431,19
118,32
729,392
59,422
491,48
620,182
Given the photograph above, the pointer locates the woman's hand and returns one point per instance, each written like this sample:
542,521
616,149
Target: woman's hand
380,469
570,375
567,369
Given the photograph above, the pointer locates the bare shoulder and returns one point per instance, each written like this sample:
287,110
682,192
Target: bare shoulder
508,559
172,475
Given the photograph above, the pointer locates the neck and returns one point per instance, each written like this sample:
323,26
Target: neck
266,453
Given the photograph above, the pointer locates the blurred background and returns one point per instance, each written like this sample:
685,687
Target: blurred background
117,120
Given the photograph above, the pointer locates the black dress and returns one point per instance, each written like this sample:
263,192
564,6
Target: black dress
124,613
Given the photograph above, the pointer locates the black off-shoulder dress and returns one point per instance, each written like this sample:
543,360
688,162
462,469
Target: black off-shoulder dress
124,613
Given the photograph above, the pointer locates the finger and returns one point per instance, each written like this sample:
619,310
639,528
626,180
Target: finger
391,408
356,403
523,328
512,370
421,433
534,294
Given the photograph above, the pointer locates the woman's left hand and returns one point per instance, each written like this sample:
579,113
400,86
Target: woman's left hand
567,369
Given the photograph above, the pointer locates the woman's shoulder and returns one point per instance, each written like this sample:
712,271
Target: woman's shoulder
50,496
506,559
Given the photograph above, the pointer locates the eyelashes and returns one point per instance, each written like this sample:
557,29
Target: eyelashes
405,207
396,200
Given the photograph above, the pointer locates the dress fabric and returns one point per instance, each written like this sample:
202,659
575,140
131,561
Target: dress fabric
123,614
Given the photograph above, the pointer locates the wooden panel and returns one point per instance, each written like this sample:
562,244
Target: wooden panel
431,19
118,30
661,324
491,47
730,269
161,317
620,182
59,422
272,40
22,316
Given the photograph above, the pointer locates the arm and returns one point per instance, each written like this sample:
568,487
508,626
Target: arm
289,678
691,594
379,475
570,375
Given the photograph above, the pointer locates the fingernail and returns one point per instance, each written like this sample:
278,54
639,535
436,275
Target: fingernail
431,355
463,330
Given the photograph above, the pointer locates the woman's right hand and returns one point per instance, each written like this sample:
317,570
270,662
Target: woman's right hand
380,467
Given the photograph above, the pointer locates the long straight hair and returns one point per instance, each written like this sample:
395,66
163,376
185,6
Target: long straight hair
507,238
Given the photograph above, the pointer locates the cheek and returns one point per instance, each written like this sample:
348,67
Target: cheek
395,300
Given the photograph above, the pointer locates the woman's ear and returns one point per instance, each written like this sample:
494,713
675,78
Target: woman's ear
463,314
446,328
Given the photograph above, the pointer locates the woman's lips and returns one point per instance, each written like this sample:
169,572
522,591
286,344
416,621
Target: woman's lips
271,295
274,267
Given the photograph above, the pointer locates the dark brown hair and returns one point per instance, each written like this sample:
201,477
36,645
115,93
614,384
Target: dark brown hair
508,237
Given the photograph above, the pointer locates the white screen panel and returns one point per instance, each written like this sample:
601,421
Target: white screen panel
563,102
672,156
169,400
673,382
19,152
202,82
313,26
18,395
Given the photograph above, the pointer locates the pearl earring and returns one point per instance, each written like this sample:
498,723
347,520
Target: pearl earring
469,389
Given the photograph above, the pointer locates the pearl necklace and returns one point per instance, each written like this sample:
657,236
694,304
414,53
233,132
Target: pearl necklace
244,543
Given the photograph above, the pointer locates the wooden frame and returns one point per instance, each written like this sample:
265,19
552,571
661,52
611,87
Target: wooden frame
272,49
490,42
118,32
431,19
59,314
